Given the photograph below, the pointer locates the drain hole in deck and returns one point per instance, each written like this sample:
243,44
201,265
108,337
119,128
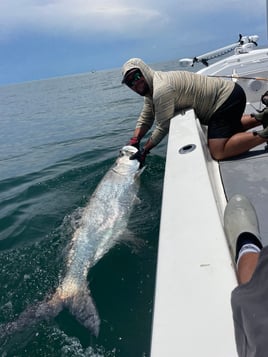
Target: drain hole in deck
187,148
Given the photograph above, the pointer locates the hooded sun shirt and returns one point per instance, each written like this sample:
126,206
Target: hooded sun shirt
174,91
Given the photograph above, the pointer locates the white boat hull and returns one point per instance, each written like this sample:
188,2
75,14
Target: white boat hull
195,271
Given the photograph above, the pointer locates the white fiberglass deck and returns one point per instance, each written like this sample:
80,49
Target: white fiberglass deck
195,274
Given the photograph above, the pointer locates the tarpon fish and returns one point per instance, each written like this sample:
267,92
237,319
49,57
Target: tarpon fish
103,222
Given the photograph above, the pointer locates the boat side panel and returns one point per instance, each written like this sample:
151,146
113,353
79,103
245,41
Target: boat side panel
195,274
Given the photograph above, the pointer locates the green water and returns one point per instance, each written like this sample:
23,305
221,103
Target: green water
58,139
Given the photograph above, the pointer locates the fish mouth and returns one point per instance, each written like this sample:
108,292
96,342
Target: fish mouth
124,166
127,150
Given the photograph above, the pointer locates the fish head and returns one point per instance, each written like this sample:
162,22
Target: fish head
125,166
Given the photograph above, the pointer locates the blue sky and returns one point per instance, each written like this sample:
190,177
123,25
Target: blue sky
50,38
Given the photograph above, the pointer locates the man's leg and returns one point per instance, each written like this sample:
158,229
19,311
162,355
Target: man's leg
249,122
246,266
238,144
242,230
248,305
225,147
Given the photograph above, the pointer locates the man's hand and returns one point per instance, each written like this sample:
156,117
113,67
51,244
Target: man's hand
140,155
134,141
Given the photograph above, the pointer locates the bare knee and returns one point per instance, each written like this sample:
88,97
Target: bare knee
218,155
217,148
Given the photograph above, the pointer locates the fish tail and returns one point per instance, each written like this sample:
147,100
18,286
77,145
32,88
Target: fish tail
80,304
82,307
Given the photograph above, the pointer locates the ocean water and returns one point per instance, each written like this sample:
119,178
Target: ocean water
58,138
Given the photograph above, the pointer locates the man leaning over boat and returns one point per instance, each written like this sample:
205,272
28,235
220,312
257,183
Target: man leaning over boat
218,103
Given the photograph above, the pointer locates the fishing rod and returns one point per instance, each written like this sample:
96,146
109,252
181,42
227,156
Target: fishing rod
234,76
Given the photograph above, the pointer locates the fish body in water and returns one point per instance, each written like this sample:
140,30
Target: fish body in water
103,222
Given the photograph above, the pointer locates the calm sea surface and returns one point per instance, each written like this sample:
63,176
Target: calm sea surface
58,139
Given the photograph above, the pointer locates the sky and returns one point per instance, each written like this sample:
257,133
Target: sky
40,39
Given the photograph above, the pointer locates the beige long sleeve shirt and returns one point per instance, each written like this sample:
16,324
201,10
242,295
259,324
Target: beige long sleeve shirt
175,91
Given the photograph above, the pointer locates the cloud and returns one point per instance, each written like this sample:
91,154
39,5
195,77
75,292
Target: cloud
80,17
40,38
124,18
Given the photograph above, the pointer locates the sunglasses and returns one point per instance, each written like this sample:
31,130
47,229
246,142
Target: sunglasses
136,77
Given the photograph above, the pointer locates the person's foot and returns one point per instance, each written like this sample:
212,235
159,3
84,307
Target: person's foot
262,133
264,98
240,218
262,117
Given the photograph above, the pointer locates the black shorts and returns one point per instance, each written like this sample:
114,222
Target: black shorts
226,121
